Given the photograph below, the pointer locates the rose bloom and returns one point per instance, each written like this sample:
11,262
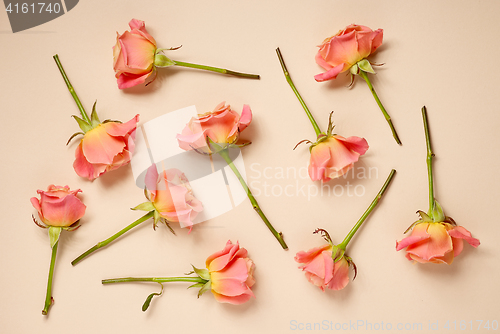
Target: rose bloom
321,270
435,242
106,147
133,56
231,274
172,196
59,206
334,157
340,52
222,126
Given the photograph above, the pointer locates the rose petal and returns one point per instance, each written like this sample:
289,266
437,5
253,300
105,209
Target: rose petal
84,168
246,117
235,300
437,245
461,233
116,129
330,74
100,148
340,275
126,80
219,260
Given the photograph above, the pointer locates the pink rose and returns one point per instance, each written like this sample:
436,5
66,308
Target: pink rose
439,242
321,270
231,274
134,55
172,196
340,52
58,206
104,148
334,156
222,126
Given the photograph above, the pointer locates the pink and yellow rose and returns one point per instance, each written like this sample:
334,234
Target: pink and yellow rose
340,52
223,126
58,206
335,156
134,56
436,242
172,196
321,269
104,148
231,274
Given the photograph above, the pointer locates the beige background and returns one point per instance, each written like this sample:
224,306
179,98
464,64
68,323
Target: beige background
439,53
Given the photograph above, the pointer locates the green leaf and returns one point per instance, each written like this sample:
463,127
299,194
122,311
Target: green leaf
150,297
54,233
424,217
94,119
203,273
437,213
146,206
205,288
73,136
156,217
413,225
86,127
145,306
354,69
163,61
196,285
365,65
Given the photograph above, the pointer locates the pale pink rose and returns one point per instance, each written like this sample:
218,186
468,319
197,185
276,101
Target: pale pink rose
334,156
134,55
340,52
435,242
106,147
222,126
172,196
231,274
321,270
59,206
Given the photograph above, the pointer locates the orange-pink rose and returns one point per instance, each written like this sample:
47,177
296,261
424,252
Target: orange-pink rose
134,55
104,148
172,196
435,242
222,126
231,274
59,206
334,156
340,52
321,270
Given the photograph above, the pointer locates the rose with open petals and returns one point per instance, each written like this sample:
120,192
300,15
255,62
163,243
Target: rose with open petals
104,148
222,126
134,56
58,206
172,196
334,156
435,242
321,270
231,274
340,52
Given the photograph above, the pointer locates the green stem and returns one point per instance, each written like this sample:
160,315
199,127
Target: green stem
217,69
278,235
72,90
290,82
113,237
48,297
430,155
374,203
154,279
386,115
